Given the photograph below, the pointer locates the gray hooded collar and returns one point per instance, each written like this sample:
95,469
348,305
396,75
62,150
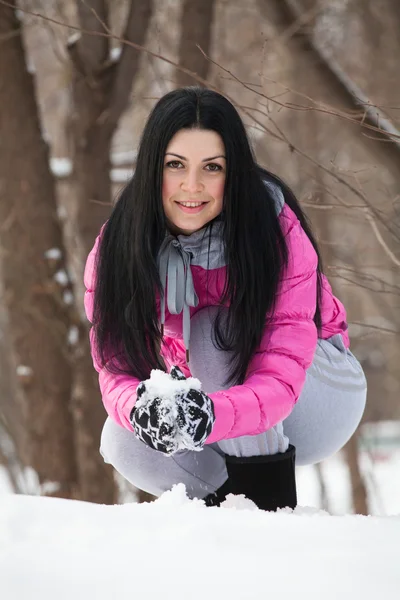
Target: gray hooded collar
203,248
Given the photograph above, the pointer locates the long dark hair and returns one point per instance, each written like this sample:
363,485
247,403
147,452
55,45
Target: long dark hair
127,330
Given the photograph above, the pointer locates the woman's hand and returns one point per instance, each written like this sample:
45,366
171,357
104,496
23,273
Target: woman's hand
172,413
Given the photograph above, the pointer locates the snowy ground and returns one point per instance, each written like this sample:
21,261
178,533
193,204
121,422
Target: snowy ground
177,549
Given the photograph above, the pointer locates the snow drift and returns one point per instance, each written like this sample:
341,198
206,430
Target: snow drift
176,549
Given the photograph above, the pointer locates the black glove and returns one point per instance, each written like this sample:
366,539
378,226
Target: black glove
182,418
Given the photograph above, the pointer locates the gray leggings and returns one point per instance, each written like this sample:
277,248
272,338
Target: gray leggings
326,415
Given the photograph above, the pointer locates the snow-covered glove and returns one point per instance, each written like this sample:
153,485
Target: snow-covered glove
172,413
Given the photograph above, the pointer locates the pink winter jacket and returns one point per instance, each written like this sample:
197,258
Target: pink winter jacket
276,373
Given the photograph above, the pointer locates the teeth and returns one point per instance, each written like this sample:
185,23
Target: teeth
191,204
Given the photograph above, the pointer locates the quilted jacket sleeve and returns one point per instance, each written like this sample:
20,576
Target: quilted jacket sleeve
277,371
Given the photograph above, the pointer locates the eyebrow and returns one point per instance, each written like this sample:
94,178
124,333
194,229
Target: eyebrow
204,159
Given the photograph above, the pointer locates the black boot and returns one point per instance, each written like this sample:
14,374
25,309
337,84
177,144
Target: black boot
269,481
219,495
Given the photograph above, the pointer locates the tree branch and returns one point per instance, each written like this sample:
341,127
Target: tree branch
367,281
375,327
357,96
387,224
372,112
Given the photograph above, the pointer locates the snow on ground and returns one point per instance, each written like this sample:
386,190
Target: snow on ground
177,549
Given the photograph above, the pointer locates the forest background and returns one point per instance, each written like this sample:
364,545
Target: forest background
317,84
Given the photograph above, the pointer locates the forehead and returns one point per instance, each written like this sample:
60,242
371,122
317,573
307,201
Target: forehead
196,142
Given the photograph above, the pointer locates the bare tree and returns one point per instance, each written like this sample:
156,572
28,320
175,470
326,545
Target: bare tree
101,87
359,492
316,76
102,83
33,271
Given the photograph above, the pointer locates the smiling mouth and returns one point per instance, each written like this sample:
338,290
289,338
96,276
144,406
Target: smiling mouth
191,207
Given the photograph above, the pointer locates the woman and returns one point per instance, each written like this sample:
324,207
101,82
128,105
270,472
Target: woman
208,252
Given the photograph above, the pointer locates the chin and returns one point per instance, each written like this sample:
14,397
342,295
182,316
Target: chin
187,228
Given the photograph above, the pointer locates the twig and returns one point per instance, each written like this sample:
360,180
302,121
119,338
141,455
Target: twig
303,19
317,107
377,327
380,239
293,148
382,124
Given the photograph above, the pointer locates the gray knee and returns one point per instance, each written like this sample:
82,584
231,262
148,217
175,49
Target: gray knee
154,472
114,442
129,456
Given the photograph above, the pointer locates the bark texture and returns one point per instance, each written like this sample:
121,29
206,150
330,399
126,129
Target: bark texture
101,87
359,492
101,91
33,295
195,30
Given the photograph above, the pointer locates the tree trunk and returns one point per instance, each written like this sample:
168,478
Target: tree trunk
359,492
91,149
91,160
11,401
101,91
323,491
38,317
96,478
196,29
14,451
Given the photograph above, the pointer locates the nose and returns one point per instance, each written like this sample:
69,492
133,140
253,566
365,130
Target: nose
191,182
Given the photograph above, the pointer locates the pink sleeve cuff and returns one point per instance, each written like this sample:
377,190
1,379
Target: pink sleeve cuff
224,417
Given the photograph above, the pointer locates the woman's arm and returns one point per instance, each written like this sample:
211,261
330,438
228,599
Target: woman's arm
277,371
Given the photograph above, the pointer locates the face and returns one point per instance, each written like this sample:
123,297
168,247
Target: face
193,180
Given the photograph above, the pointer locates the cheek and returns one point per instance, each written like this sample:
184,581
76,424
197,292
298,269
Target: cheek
168,187
216,189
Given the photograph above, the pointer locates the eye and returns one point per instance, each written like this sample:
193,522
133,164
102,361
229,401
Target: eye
174,164
213,167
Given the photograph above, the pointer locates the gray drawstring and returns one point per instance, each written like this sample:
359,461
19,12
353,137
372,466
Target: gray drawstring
174,263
